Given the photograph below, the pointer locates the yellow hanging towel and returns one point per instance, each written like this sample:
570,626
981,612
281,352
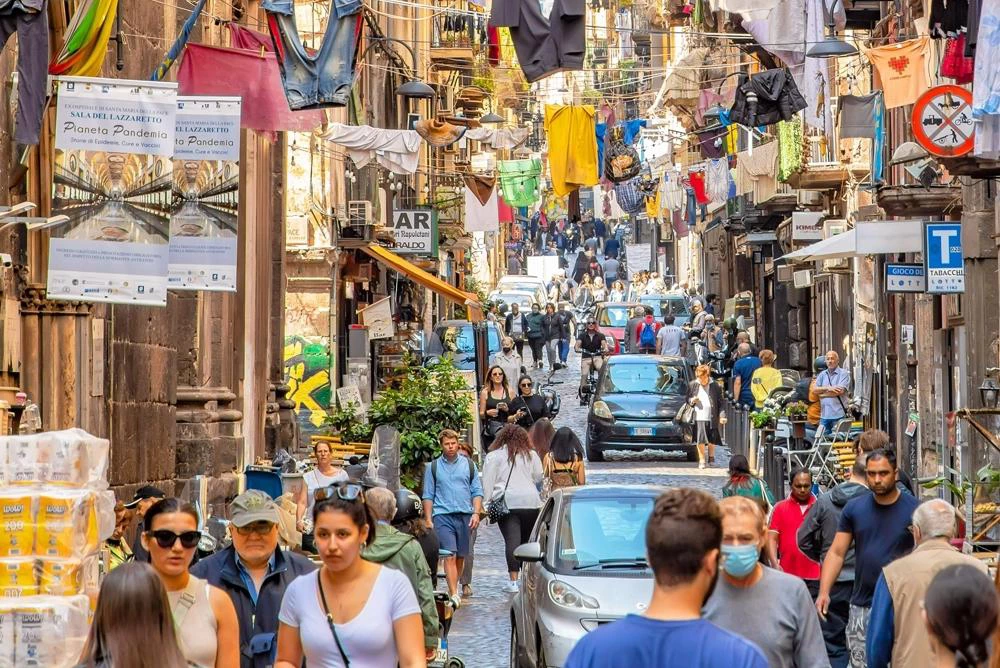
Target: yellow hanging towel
572,147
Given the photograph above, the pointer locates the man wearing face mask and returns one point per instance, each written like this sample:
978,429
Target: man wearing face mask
682,540
769,608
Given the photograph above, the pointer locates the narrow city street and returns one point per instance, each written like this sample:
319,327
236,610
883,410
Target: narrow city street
481,629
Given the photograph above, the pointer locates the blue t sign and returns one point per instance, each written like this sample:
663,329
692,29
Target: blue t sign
943,257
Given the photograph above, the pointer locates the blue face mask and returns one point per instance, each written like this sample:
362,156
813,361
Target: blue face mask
740,560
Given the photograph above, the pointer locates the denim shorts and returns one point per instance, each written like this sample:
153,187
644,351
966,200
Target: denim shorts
452,530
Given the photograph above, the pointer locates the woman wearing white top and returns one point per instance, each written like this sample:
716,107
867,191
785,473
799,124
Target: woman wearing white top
514,471
324,475
705,396
600,291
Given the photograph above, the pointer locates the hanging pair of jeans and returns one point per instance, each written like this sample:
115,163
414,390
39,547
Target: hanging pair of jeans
30,20
325,78
544,45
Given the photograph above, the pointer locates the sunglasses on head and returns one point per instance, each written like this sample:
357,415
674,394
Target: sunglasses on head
166,538
346,491
259,528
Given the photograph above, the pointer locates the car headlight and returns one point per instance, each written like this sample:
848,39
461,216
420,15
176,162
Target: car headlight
601,410
570,597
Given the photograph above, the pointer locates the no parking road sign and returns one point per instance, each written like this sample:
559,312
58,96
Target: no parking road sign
943,261
942,121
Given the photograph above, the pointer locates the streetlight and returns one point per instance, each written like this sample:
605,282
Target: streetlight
831,46
989,391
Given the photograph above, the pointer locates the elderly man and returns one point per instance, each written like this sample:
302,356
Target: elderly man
403,553
255,572
743,374
832,385
896,632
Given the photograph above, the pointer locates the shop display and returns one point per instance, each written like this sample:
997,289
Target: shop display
56,511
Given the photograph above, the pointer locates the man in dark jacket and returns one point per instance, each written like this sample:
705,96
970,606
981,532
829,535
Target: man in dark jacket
516,327
815,537
536,334
255,572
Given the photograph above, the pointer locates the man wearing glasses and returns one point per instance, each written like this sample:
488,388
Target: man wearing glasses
254,572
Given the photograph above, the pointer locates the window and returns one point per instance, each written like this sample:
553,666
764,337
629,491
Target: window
644,378
615,316
599,530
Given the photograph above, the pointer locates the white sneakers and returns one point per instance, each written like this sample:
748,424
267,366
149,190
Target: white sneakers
510,586
456,601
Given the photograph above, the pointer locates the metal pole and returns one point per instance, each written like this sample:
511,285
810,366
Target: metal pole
335,313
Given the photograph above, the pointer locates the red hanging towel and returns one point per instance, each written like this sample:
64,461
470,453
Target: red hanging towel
698,185
493,45
954,64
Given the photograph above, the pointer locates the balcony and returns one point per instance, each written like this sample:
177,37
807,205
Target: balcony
823,168
914,200
457,39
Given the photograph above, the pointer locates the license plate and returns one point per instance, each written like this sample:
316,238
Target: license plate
642,431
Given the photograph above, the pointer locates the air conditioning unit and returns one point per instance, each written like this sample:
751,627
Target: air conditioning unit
802,278
358,221
784,273
831,228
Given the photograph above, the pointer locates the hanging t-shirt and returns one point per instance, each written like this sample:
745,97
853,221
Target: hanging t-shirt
902,70
857,116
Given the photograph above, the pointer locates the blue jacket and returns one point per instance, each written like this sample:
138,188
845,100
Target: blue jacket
221,571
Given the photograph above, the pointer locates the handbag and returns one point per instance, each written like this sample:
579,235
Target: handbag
685,414
497,508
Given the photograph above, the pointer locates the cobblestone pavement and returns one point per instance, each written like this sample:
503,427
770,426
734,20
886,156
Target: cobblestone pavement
480,633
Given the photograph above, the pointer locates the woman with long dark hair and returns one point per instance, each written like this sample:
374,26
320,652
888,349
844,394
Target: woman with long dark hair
513,472
743,483
540,435
133,626
563,465
205,618
349,611
960,608
527,406
493,403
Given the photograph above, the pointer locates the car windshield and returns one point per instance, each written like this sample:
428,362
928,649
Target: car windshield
644,377
666,305
522,300
603,533
613,316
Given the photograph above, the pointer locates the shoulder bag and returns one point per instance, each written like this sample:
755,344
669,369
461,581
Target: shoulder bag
329,620
497,508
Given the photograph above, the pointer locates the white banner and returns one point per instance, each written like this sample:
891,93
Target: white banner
206,194
637,257
112,177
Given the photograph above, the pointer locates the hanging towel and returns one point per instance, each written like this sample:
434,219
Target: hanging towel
481,216
396,150
572,147
717,179
673,192
509,138
857,115
755,174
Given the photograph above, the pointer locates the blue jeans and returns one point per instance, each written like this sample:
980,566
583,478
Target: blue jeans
563,350
325,78
829,424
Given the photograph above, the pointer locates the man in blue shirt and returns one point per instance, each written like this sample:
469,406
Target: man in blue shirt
879,526
683,538
453,501
831,386
743,373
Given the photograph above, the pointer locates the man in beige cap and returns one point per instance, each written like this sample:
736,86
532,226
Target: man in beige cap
255,572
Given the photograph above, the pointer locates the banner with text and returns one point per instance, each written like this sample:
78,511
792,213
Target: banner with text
206,194
112,178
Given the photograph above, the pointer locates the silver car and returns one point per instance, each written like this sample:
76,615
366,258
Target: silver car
585,566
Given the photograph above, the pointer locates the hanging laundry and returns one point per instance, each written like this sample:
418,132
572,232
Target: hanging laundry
789,148
481,216
631,130
878,145
857,115
519,180
324,78
572,146
752,9
755,174
244,38
955,64
697,181
438,133
544,44
178,46
208,70
623,160
707,99
986,83
717,180
766,98
672,192
947,18
86,43
712,142
653,206
682,85
902,69
509,138
29,19
972,28
629,197
481,186
396,150
600,133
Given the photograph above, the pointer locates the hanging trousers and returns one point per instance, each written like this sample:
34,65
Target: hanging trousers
544,45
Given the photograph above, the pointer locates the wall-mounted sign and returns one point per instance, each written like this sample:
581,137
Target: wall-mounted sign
943,261
807,226
905,278
942,121
415,231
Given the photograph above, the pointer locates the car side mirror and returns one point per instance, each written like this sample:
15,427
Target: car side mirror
529,552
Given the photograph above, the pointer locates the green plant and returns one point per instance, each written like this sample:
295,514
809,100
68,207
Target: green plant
797,410
428,399
763,418
347,424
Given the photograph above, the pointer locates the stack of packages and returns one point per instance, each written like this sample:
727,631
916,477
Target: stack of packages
56,512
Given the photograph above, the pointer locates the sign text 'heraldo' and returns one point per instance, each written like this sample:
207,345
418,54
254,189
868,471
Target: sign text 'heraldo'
415,232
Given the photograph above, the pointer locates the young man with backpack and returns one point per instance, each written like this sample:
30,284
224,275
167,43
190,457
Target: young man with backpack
453,501
645,334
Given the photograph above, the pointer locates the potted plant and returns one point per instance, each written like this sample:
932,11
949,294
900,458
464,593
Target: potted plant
797,413
764,419
346,425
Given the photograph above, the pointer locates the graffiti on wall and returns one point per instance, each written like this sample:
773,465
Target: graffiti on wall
307,373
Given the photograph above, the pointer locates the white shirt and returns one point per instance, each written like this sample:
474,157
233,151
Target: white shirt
522,490
703,411
511,365
315,480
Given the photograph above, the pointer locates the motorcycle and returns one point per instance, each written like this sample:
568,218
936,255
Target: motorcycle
590,387
552,400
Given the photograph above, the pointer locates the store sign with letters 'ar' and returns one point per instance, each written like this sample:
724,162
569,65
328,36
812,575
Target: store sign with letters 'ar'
943,261
415,232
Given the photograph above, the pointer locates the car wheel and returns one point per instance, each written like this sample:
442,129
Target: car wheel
692,454
515,656
454,662
594,454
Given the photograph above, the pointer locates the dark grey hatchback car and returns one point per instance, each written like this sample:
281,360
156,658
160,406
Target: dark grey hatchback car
635,404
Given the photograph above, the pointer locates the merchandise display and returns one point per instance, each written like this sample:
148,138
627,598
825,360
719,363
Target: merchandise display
56,511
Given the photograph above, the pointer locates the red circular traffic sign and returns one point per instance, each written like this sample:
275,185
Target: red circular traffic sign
942,121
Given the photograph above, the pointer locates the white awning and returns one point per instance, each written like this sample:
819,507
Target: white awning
868,238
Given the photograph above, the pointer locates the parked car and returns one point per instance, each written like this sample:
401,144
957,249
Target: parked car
523,299
519,282
584,566
635,404
612,318
455,339
669,303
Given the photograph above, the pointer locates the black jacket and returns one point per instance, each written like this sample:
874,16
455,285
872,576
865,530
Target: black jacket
536,325
819,527
714,395
509,322
766,98
551,326
535,409
220,570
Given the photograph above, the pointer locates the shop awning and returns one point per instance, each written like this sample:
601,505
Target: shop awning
869,238
430,281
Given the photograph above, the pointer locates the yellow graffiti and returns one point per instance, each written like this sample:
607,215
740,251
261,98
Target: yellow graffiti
308,377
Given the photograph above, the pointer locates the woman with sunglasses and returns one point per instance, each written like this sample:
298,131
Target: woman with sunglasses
493,403
527,407
323,475
350,612
204,616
